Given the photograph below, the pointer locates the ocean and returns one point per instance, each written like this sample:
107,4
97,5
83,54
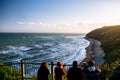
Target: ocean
40,47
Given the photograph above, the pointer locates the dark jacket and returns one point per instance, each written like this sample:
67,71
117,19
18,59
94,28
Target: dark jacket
75,74
43,73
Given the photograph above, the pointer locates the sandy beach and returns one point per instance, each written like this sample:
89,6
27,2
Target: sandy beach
94,52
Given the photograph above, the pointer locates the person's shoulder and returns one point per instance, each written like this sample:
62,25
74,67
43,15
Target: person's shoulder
71,69
98,70
80,69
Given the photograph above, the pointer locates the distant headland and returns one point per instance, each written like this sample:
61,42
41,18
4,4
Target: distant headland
109,36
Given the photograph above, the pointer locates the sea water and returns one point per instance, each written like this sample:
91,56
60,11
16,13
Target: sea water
42,47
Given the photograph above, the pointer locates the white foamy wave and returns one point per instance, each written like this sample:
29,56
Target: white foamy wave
48,44
17,60
38,46
45,37
73,37
4,52
19,52
21,48
77,49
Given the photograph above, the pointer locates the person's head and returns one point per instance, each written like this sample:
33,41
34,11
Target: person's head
91,63
59,63
74,63
84,63
44,64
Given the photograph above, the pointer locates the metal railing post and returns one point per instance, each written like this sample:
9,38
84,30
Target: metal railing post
52,71
22,69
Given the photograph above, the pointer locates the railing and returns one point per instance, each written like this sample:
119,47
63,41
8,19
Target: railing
25,67
29,70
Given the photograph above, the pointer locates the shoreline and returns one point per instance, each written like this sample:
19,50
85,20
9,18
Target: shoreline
94,52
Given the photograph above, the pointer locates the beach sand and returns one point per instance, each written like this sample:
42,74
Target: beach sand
94,52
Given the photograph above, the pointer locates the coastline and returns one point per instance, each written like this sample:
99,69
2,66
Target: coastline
94,52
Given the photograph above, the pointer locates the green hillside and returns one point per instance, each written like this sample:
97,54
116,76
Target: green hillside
109,36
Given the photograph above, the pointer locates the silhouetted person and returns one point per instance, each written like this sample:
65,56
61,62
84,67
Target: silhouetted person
59,71
43,72
74,73
84,68
92,71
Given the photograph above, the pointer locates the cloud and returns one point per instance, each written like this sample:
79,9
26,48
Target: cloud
20,22
42,24
31,23
80,27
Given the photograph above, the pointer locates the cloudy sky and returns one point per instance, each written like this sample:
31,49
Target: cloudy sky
58,16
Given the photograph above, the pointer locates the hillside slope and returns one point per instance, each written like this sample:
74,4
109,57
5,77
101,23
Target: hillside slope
109,36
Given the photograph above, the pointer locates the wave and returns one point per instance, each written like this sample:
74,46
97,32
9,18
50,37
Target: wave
66,51
16,53
47,48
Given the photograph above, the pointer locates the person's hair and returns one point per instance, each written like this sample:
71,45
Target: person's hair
44,64
84,63
59,63
74,63
91,63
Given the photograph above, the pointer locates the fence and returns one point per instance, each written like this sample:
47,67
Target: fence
29,70
26,74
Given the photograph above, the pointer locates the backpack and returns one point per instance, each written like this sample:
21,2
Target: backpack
91,73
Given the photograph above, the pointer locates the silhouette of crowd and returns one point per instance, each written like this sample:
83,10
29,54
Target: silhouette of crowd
87,72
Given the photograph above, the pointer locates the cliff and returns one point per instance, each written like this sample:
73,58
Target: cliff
109,36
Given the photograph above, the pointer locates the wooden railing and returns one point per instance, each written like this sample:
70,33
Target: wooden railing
22,68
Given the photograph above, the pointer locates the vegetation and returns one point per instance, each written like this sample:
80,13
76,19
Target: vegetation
8,73
109,36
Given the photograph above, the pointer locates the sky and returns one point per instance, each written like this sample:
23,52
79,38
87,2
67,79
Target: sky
58,16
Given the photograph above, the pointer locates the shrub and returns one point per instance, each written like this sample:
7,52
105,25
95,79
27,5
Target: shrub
8,73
